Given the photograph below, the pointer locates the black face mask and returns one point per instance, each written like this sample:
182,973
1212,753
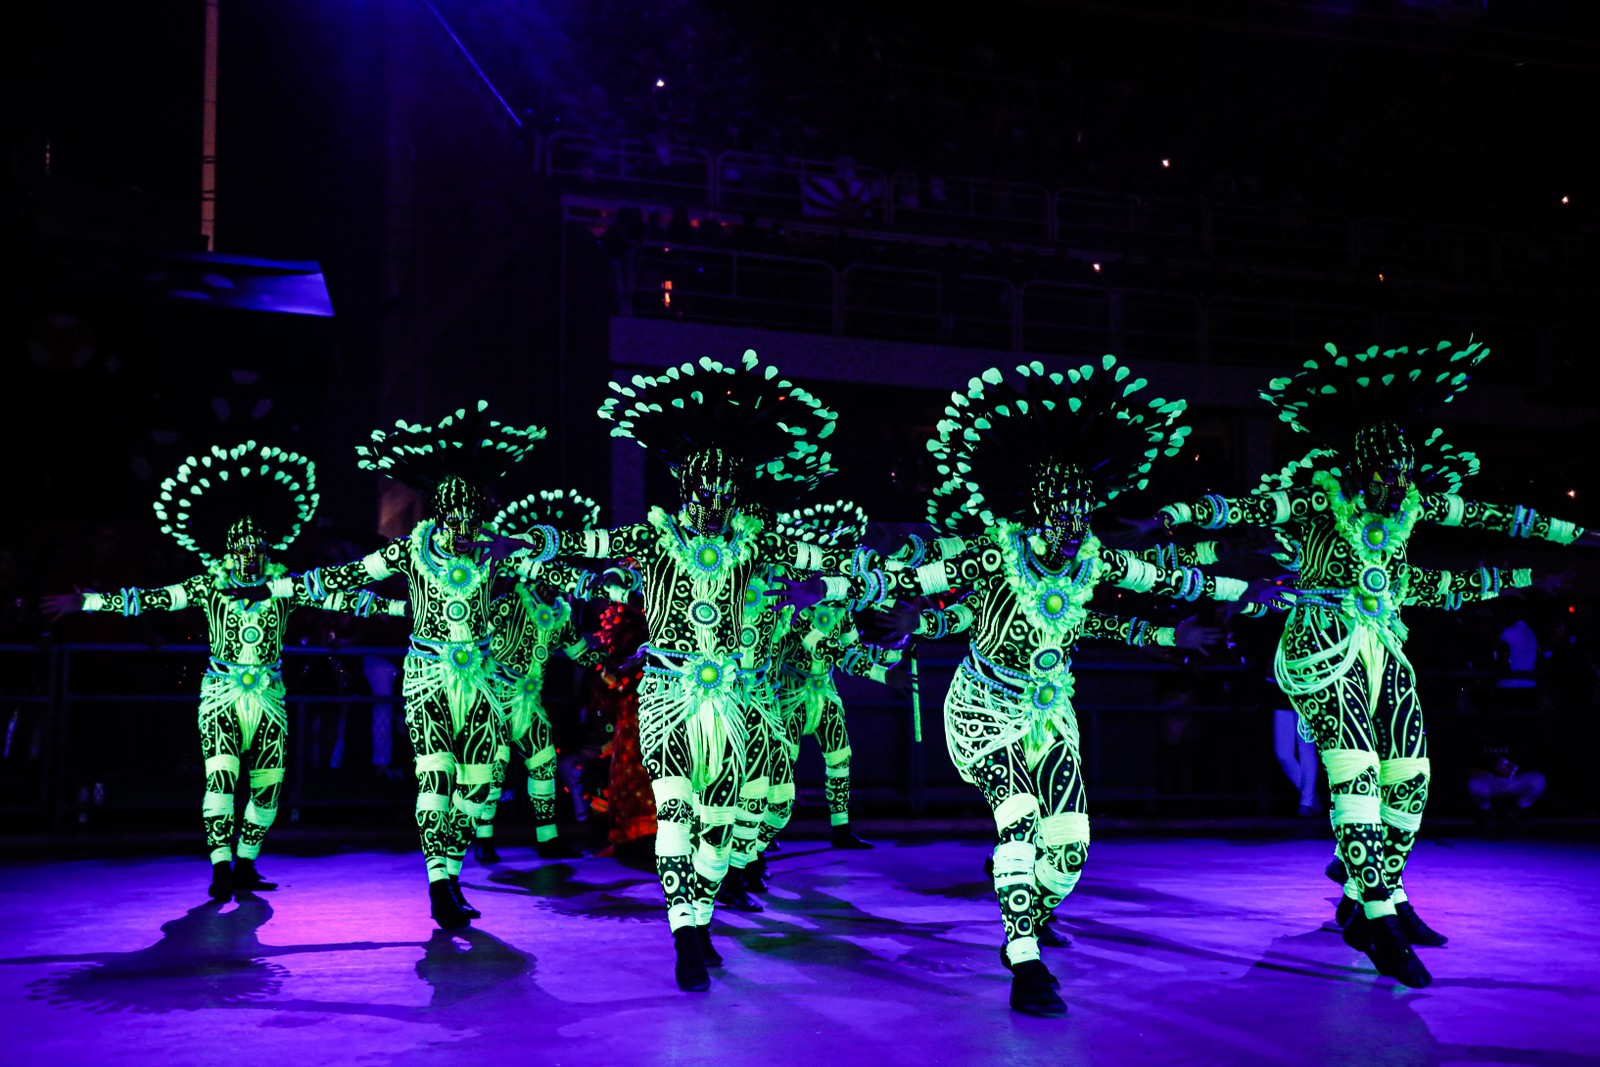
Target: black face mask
247,549
458,509
709,490
1386,487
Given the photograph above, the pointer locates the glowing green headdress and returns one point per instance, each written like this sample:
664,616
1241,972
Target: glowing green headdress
1000,439
212,491
769,424
565,509
839,523
466,445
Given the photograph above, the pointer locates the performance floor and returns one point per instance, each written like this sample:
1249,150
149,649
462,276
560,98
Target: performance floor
1184,952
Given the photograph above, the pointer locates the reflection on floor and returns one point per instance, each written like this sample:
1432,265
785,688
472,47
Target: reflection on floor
1184,952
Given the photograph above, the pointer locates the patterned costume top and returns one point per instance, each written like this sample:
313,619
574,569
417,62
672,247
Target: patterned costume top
1002,448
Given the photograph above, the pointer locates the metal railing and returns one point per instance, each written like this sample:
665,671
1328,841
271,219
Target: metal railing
1111,223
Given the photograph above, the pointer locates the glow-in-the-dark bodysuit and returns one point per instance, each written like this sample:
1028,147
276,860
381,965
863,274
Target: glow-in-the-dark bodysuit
1341,660
1008,718
692,705
241,695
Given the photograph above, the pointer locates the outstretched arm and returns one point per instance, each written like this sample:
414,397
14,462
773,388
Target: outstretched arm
128,601
1214,512
1430,588
362,603
1513,520
1181,583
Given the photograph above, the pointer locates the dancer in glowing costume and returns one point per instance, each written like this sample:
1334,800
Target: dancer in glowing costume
244,500
1345,516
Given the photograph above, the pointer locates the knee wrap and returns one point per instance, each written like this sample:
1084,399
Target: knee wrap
260,815
672,839
669,789
432,802
470,808
502,754
1355,808
541,757
223,762
266,776
718,815
782,793
710,863
430,762
1403,769
475,773
1013,862
1069,827
836,764
1054,880
755,789
1015,810
541,787
215,804
1347,764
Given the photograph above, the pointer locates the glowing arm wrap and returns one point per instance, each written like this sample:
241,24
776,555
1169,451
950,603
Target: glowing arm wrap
1513,520
1449,590
937,622
1199,554
1133,631
1180,583
1214,512
133,601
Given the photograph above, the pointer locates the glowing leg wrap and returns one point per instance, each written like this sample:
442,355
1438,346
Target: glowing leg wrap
497,782
542,789
1064,846
1357,825
1405,794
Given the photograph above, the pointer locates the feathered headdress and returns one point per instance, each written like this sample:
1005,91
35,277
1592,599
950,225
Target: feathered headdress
1334,398
1440,467
465,444
212,491
839,523
768,425
998,440
565,509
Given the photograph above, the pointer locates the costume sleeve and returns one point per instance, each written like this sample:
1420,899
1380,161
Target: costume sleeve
362,603
131,601
863,660
807,557
937,622
1430,588
1132,631
1180,583
634,540
1513,520
1214,512
919,550
314,585
572,644
1199,554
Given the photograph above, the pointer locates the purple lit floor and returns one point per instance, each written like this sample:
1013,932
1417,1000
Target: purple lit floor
1185,952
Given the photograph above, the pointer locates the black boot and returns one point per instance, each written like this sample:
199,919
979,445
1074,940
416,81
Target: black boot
556,849
756,874
483,848
1387,948
1033,990
221,882
708,951
1005,961
1336,872
461,901
446,912
1344,911
1417,932
734,892
247,879
844,837
690,969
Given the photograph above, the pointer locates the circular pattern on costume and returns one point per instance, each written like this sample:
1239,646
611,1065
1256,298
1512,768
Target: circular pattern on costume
544,616
541,653
747,637
707,556
248,679
1374,580
1045,695
1052,603
708,674
456,610
530,686
1376,535
250,634
458,576
824,617
461,657
705,613
1048,659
